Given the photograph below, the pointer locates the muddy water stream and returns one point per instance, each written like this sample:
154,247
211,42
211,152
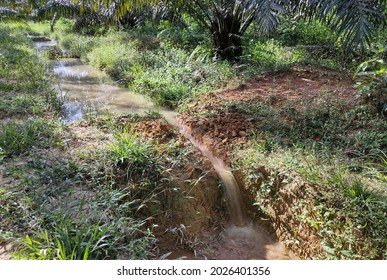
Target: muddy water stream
232,190
83,87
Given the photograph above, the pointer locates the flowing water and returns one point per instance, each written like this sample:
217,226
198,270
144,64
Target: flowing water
232,190
83,87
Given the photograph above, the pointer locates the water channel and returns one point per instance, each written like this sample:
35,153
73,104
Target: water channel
83,87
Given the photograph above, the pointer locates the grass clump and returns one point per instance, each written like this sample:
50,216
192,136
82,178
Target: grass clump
71,239
135,155
17,138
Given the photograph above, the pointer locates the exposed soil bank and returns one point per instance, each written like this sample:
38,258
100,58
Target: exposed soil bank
216,238
275,103
226,118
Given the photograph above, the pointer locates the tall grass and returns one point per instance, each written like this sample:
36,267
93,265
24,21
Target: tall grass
78,240
134,154
18,138
24,83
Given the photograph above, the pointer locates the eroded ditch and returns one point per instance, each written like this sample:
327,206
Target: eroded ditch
82,87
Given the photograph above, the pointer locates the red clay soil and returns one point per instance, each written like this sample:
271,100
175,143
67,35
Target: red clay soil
221,128
155,130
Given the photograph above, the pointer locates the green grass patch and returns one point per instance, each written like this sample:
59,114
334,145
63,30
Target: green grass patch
24,84
17,138
136,157
328,124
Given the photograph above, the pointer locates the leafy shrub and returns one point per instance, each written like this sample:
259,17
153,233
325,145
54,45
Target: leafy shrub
187,34
271,55
303,32
372,82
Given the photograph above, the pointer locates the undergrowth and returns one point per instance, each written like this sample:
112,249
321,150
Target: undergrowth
150,61
18,138
24,85
345,209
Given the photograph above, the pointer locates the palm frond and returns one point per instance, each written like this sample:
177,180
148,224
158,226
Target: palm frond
356,21
267,13
61,8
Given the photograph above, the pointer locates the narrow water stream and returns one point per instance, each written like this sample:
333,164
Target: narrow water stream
232,190
82,87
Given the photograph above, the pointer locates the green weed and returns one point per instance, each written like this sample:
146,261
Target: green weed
346,210
25,85
304,32
76,240
271,55
135,155
18,138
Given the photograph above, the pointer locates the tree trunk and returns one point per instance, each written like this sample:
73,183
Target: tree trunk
52,23
227,38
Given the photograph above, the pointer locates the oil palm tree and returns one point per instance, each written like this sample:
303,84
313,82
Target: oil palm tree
356,21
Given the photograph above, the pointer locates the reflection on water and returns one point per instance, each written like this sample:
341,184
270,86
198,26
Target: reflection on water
66,69
80,86
44,45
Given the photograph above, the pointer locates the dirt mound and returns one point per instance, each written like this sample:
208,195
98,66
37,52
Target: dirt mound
219,134
155,130
224,119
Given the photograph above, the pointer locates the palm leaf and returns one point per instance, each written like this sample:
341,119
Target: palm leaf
356,21
62,8
267,14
